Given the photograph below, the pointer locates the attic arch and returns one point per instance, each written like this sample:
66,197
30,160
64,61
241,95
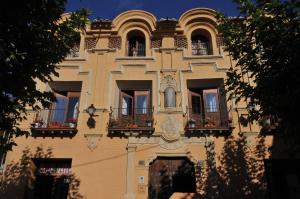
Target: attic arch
141,16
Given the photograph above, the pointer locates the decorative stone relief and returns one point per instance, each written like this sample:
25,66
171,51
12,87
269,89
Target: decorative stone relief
171,145
168,81
92,140
170,128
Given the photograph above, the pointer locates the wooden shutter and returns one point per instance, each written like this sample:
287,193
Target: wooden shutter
211,107
141,111
195,107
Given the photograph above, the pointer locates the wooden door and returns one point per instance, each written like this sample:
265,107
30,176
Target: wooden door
211,106
170,174
195,107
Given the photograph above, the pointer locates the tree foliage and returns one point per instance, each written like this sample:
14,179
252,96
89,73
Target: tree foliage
33,39
264,42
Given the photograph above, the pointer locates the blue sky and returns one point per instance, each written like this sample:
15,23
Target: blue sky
108,9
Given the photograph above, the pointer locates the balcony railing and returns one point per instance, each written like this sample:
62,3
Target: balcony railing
201,48
54,122
124,121
211,122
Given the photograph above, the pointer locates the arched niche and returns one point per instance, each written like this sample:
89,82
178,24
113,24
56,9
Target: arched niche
169,89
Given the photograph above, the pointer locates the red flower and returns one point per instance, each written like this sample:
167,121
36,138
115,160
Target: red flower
72,120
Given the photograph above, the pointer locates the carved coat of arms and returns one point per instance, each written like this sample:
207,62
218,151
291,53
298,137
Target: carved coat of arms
170,128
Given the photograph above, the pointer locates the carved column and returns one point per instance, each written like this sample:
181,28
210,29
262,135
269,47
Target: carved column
130,173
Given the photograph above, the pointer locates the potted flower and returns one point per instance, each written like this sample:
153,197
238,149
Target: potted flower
54,125
72,122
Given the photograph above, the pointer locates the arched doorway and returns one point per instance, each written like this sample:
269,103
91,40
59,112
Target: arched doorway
170,174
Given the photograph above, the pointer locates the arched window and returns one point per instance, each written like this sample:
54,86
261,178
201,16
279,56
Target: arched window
136,45
170,97
201,43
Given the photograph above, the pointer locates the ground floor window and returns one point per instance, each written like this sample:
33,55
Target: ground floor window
52,178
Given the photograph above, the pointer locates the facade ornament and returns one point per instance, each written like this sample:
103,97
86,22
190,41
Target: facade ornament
171,145
168,81
92,140
170,94
171,129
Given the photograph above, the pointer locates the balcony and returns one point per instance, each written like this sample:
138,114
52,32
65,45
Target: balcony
55,123
130,122
209,124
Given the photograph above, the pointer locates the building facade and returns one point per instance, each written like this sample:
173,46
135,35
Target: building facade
138,101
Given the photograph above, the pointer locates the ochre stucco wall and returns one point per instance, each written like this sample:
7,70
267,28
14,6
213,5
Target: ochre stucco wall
103,171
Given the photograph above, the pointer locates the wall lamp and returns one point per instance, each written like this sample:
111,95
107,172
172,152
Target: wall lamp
91,110
91,123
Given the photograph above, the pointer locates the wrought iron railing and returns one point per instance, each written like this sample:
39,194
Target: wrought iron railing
211,119
136,51
55,118
125,118
201,48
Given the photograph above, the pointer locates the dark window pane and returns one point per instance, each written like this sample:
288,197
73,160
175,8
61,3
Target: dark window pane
126,105
196,105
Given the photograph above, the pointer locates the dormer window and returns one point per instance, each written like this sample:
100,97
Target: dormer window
136,45
201,43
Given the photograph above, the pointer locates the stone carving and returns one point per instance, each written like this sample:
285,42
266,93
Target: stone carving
176,144
170,128
168,81
92,140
